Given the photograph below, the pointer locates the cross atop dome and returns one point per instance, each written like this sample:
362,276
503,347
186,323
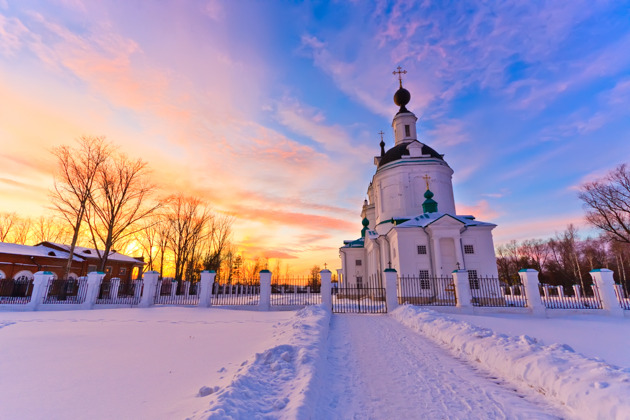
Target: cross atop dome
402,95
399,72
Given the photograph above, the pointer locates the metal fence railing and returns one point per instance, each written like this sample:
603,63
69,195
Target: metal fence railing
296,291
622,297
360,296
434,291
170,292
115,292
15,291
66,291
235,294
556,297
490,291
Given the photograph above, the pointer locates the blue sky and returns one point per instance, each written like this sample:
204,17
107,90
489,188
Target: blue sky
270,110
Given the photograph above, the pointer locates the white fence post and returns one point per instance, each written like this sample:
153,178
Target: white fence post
462,290
391,288
114,286
149,282
326,286
40,283
173,287
186,285
605,283
265,290
529,278
93,285
205,288
578,291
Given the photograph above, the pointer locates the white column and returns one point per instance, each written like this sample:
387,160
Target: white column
148,292
326,276
93,285
114,286
462,290
603,278
529,278
205,288
391,288
265,290
40,284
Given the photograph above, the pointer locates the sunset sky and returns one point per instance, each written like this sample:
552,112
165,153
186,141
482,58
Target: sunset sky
270,110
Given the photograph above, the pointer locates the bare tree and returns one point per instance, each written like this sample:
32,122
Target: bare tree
188,218
77,168
7,223
119,201
22,231
49,229
148,239
607,203
218,241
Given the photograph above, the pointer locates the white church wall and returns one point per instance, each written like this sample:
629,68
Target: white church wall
409,262
355,264
483,259
400,189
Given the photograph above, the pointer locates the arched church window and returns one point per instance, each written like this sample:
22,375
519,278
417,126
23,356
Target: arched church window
407,130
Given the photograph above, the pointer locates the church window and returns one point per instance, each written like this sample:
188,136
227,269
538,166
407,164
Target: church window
425,284
469,249
407,131
358,262
473,279
359,282
422,249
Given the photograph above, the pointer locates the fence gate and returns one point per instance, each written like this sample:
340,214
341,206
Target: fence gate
359,296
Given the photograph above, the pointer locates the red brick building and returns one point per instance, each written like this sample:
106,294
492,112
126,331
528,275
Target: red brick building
24,260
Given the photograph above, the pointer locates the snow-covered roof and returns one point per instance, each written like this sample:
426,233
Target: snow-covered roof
92,253
35,251
426,219
357,243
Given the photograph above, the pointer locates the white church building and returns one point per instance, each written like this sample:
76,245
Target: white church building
409,217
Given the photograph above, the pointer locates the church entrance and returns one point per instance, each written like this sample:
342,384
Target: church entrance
366,296
449,259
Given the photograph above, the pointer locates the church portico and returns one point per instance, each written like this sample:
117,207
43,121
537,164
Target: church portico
409,217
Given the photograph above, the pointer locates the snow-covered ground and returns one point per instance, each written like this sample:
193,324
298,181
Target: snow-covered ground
599,336
176,363
379,369
589,388
124,363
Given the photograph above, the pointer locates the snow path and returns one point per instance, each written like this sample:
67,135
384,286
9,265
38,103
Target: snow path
380,369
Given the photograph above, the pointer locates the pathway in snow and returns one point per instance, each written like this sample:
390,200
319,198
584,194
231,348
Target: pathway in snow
380,369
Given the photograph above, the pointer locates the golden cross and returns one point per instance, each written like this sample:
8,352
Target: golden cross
381,133
399,72
426,179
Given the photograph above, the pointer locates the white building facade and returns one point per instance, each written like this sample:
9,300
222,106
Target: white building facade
409,217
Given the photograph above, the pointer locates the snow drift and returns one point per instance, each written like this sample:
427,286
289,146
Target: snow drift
280,382
591,388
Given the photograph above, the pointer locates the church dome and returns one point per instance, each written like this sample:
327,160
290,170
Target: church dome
400,150
402,97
